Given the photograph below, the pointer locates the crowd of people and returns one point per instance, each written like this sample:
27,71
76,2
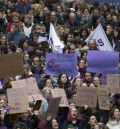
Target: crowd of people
23,26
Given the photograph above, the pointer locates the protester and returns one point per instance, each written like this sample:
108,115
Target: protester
73,121
64,82
114,119
92,122
77,28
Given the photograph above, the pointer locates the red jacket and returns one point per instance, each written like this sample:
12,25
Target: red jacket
43,125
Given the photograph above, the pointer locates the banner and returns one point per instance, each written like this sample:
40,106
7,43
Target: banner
102,62
11,65
61,63
101,39
54,41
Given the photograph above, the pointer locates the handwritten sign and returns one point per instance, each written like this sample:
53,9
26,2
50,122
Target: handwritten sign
113,89
103,95
11,65
33,91
86,96
113,80
104,79
19,83
60,93
32,84
52,111
61,63
18,100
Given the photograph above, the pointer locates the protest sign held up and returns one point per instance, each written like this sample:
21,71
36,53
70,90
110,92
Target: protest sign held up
103,95
51,112
60,93
103,64
86,96
113,80
32,89
61,63
18,100
11,65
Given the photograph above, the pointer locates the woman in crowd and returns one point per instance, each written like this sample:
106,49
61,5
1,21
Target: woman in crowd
64,82
2,114
82,68
46,97
74,121
96,81
27,28
117,38
3,44
76,83
92,122
114,119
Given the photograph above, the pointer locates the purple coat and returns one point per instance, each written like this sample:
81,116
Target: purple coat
3,127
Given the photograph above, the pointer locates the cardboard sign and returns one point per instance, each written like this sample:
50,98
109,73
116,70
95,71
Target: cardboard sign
86,96
60,93
113,80
51,112
11,65
33,91
113,89
18,100
32,84
19,83
103,95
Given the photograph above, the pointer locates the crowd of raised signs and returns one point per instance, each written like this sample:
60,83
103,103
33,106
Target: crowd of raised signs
61,98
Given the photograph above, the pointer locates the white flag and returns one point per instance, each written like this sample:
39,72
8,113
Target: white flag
42,39
54,41
102,41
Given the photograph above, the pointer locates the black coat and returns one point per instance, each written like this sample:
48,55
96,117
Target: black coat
117,46
79,124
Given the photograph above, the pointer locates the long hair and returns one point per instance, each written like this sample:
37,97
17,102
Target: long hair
111,117
73,82
118,30
60,84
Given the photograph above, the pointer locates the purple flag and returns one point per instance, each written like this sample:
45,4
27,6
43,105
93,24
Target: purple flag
61,63
103,61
